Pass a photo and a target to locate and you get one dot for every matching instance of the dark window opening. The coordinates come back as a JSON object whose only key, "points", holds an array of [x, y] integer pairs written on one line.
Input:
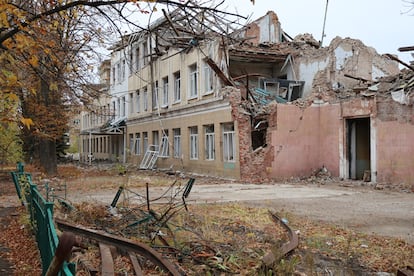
{"points": [[259, 133]]}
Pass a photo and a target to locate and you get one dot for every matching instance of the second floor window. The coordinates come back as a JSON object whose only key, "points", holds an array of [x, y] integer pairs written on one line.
{"points": [[137, 102], [131, 103], [208, 79], [123, 107], [177, 87], [155, 96], [165, 92], [137, 57], [193, 81], [145, 99]]}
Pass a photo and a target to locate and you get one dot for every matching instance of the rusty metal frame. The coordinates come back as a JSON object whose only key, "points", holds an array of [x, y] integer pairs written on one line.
{"points": [[286, 248], [120, 242]]}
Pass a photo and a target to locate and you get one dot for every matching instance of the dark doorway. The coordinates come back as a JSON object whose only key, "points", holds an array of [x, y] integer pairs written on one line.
{"points": [[359, 147]]}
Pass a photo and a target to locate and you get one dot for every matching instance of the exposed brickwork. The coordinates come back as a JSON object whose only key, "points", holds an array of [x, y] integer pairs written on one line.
{"points": [[390, 110], [254, 165]]}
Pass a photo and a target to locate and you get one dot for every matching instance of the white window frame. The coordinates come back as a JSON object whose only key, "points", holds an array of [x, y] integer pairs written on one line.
{"points": [[145, 99], [229, 147], [145, 141], [193, 143], [210, 149], [156, 138], [208, 79], [131, 143], [123, 69], [118, 108], [137, 144], [137, 101], [193, 81], [123, 106], [177, 142], [118, 72], [137, 58], [155, 96], [177, 87], [165, 92], [145, 53], [131, 103], [164, 149]]}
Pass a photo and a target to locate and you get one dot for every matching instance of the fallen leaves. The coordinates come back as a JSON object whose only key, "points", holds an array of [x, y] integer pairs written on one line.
{"points": [[23, 251]]}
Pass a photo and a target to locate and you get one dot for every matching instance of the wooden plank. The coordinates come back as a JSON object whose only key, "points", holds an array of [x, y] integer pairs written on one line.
{"points": [[135, 264], [107, 265]]}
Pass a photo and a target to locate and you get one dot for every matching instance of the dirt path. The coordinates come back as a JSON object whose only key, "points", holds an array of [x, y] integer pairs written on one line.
{"points": [[8, 204]]}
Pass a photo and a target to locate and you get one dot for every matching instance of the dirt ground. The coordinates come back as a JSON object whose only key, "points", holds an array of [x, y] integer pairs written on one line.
{"points": [[352, 204], [355, 205]]}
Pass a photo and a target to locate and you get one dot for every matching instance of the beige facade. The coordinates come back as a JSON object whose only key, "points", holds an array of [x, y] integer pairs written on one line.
{"points": [[179, 108], [206, 103]]}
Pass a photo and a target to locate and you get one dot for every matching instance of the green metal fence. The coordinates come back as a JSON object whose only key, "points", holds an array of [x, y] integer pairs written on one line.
{"points": [[41, 218]]}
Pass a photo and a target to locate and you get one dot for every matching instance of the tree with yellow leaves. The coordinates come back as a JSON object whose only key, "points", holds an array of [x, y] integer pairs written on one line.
{"points": [[46, 50]]}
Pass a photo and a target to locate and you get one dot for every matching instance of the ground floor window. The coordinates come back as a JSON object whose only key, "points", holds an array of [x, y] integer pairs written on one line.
{"points": [[229, 150], [177, 142], [209, 142], [193, 143], [145, 141], [138, 143], [131, 143], [164, 150]]}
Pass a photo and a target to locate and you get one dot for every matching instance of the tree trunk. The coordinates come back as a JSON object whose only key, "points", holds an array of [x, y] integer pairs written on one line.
{"points": [[47, 156]]}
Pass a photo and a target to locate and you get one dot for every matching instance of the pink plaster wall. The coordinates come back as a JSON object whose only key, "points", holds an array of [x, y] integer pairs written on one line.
{"points": [[305, 139], [395, 152]]}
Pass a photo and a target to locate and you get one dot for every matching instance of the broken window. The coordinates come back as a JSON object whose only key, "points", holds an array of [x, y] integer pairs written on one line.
{"points": [[259, 132], [164, 150], [281, 90]]}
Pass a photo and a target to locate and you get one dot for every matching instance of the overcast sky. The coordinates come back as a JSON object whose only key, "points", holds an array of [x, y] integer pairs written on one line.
{"points": [[385, 25]]}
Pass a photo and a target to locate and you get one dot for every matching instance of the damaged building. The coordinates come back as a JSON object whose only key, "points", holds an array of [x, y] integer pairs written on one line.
{"points": [[252, 104]]}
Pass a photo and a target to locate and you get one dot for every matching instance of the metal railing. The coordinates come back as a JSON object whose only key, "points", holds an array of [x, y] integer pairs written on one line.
{"points": [[41, 219]]}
